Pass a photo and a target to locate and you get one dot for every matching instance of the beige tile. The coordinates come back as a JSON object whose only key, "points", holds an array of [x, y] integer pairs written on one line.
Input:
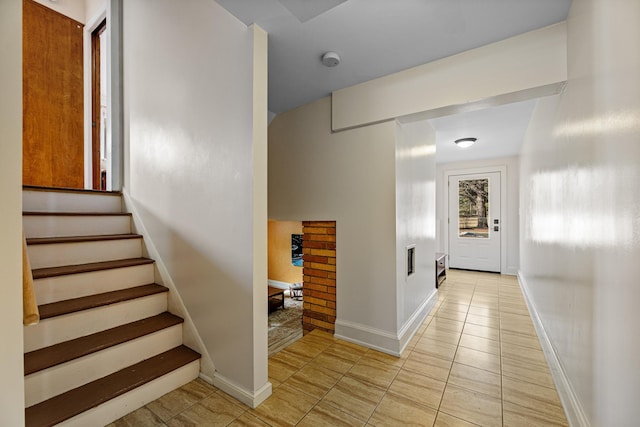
{"points": [[519, 339], [491, 305], [523, 354], [142, 417], [418, 388], [358, 398], [443, 335], [480, 344], [526, 372], [431, 366], [178, 400], [214, 410], [482, 331], [323, 415], [395, 411], [443, 323], [471, 406], [519, 416], [511, 308], [307, 348], [385, 358], [279, 370], [483, 311], [446, 420], [476, 380], [314, 380], [288, 358], [374, 372], [478, 359], [248, 420], [346, 350], [285, 407], [437, 348], [452, 306], [543, 400], [452, 315], [491, 322], [323, 335], [332, 362]]}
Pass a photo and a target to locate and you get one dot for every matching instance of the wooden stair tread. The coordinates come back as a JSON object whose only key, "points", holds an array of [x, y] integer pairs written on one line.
{"points": [[70, 190], [40, 273], [78, 400], [56, 354], [98, 300], [81, 239], [38, 213]]}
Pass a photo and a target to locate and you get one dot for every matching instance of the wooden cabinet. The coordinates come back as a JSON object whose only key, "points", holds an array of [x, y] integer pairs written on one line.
{"points": [[441, 269]]}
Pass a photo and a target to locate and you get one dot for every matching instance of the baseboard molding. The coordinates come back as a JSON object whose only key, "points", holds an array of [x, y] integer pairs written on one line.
{"points": [[511, 271], [251, 399], [576, 416], [411, 326], [278, 284], [384, 341]]}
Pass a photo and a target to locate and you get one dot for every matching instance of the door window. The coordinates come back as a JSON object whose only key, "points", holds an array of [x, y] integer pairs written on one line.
{"points": [[473, 212]]}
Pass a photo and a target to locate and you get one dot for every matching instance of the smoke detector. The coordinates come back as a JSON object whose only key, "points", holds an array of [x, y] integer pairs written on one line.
{"points": [[331, 59]]}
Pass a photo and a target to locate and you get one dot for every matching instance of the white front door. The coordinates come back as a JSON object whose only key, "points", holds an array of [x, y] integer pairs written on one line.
{"points": [[474, 221]]}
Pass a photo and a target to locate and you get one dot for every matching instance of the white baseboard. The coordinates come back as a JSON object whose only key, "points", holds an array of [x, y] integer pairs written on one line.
{"points": [[251, 399], [278, 284], [511, 271], [385, 341], [576, 416], [411, 326]]}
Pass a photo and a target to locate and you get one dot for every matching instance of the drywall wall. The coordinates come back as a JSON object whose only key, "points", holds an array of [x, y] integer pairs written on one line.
{"points": [[347, 177], [93, 9], [415, 223], [530, 60], [280, 267], [510, 223], [74, 9], [580, 165], [11, 357], [195, 150]]}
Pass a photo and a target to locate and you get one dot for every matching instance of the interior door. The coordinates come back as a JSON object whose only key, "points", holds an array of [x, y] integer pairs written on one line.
{"points": [[474, 222], [53, 112]]}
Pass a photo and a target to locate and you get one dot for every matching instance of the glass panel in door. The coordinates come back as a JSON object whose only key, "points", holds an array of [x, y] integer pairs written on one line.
{"points": [[473, 212]]}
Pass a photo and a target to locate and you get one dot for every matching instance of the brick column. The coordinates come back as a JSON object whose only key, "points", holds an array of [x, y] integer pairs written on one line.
{"points": [[319, 256]]}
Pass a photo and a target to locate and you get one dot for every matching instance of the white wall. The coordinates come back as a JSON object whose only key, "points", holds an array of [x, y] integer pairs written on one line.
{"points": [[580, 165], [11, 359], [510, 224], [530, 60], [415, 223], [93, 8], [195, 153], [348, 177]]}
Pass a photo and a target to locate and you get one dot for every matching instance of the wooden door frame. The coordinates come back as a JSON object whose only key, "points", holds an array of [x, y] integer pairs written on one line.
{"points": [[503, 207], [95, 105]]}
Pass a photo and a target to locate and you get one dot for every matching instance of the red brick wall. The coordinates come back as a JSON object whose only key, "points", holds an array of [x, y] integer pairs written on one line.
{"points": [[319, 256]]}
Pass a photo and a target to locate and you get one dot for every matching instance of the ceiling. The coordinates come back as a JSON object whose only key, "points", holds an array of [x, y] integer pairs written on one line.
{"points": [[379, 37]]}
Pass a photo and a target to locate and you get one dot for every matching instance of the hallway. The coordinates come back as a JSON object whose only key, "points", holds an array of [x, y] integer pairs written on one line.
{"points": [[475, 361]]}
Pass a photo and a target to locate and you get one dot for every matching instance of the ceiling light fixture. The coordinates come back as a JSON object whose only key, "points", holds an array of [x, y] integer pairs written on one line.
{"points": [[465, 142], [331, 59]]}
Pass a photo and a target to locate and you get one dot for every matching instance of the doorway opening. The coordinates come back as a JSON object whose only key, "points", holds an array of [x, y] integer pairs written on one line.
{"points": [[100, 152]]}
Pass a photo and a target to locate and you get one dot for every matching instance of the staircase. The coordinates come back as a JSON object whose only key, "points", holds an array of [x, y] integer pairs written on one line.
{"points": [[105, 344]]}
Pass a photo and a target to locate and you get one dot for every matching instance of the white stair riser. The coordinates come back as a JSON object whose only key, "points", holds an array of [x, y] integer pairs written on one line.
{"points": [[122, 405], [67, 327], [50, 382], [47, 201], [62, 226], [59, 288], [57, 254]]}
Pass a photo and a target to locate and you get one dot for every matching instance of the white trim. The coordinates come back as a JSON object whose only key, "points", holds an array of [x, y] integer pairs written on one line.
{"points": [[413, 324], [278, 284], [251, 399], [576, 416], [502, 169], [91, 25], [176, 305]]}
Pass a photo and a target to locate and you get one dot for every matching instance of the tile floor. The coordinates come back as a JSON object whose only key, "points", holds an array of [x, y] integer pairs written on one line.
{"points": [[475, 360]]}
